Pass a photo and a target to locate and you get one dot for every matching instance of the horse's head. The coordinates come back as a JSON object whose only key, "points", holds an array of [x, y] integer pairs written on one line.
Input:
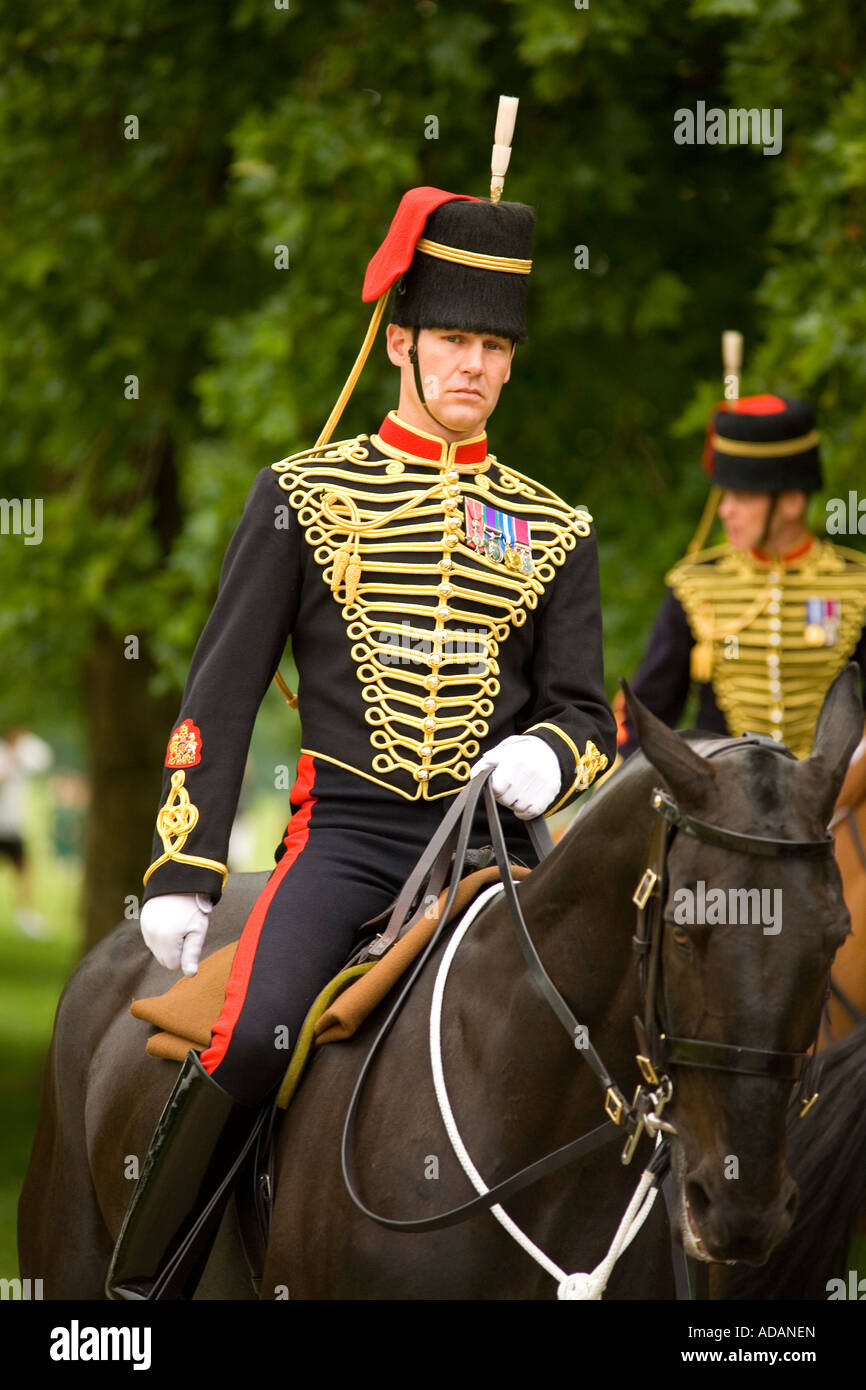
{"points": [[745, 943]]}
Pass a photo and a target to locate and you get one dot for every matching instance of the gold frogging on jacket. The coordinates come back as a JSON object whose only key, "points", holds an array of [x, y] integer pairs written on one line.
{"points": [[175, 823], [752, 643], [364, 534]]}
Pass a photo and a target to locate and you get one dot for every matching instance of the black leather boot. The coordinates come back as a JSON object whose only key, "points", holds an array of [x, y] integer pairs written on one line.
{"points": [[176, 1209]]}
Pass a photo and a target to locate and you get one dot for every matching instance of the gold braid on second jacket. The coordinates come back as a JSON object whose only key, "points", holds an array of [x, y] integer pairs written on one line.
{"points": [[437, 602], [772, 637]]}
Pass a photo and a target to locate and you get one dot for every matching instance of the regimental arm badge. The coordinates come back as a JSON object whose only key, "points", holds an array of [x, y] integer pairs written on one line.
{"points": [[178, 818], [502, 538], [184, 746]]}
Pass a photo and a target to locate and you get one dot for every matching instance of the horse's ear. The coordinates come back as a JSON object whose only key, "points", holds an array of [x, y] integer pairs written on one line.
{"points": [[839, 729], [690, 776]]}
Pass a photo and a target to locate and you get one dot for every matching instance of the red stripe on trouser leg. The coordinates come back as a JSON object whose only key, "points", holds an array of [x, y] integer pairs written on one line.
{"points": [[296, 837]]}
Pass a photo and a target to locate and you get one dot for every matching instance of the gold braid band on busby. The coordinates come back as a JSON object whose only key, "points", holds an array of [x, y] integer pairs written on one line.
{"points": [[770, 444]]}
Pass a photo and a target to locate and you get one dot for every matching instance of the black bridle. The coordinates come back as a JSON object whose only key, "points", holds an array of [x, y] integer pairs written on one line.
{"points": [[659, 1049]]}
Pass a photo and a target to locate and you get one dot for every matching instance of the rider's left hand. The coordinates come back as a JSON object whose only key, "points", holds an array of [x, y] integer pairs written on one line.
{"points": [[526, 777]]}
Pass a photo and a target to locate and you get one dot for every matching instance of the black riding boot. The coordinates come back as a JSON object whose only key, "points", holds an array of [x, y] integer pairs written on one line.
{"points": [[175, 1212]]}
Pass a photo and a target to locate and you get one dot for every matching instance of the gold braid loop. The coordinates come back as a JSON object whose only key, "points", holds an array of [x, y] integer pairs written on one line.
{"points": [[175, 822], [347, 564]]}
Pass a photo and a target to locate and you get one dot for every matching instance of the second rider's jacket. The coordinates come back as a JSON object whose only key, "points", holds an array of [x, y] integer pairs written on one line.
{"points": [[437, 603], [764, 637]]}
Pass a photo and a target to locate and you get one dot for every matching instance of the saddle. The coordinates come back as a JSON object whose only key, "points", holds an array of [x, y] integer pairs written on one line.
{"points": [[185, 1013]]}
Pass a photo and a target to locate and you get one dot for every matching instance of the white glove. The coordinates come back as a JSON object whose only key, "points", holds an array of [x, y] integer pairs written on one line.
{"points": [[174, 927], [527, 777]]}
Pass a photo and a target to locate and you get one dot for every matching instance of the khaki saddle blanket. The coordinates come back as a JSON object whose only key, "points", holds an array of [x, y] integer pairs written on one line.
{"points": [[186, 1013]]}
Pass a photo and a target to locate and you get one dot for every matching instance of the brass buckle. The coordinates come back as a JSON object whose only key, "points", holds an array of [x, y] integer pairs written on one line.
{"points": [[633, 1139], [641, 895], [647, 1070], [809, 1103], [614, 1105]]}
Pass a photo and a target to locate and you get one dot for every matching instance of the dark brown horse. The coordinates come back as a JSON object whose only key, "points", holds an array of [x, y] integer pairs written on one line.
{"points": [[518, 1086]]}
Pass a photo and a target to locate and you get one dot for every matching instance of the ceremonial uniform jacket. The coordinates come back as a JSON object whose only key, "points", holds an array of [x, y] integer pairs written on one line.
{"points": [[437, 603], [763, 637]]}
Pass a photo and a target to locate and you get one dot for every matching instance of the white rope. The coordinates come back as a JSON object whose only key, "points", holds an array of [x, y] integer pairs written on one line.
{"points": [[571, 1286]]}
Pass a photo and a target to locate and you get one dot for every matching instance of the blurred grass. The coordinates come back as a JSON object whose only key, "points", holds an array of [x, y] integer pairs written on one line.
{"points": [[32, 975]]}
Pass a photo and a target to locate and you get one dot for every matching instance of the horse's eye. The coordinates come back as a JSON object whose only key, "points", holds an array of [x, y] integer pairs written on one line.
{"points": [[681, 938]]}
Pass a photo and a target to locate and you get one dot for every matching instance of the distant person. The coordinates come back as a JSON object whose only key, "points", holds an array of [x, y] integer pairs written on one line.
{"points": [[23, 756], [765, 622]]}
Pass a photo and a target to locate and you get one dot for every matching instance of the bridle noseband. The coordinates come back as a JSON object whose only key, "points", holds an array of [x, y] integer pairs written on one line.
{"points": [[658, 1048]]}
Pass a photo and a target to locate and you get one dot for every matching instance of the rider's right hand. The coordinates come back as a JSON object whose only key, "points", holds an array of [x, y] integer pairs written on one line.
{"points": [[174, 926]]}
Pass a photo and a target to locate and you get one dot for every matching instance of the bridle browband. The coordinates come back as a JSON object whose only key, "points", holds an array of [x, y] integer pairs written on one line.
{"points": [[658, 1048]]}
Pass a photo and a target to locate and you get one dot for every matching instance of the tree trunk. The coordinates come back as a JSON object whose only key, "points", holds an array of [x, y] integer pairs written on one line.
{"points": [[126, 732]]}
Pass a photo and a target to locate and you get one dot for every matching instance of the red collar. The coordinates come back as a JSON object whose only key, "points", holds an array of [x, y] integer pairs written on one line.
{"points": [[419, 444], [789, 557]]}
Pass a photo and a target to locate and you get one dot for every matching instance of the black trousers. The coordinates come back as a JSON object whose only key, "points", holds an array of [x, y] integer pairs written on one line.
{"points": [[347, 852]]}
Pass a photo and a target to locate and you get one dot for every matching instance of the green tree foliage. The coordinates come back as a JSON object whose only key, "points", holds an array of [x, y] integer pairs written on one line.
{"points": [[213, 248]]}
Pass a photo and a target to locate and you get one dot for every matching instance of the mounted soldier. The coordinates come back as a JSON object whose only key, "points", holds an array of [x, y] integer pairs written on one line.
{"points": [[497, 578], [764, 622]]}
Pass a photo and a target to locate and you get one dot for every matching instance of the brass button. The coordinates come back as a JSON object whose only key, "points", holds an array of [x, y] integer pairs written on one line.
{"points": [[445, 563], [432, 682], [450, 541], [429, 704]]}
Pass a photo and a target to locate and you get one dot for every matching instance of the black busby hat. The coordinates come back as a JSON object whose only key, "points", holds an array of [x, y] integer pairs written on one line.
{"points": [[766, 444], [482, 291]]}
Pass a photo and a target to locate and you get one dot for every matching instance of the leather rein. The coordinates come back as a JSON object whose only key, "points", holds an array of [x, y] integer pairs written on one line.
{"points": [[643, 1114]]}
